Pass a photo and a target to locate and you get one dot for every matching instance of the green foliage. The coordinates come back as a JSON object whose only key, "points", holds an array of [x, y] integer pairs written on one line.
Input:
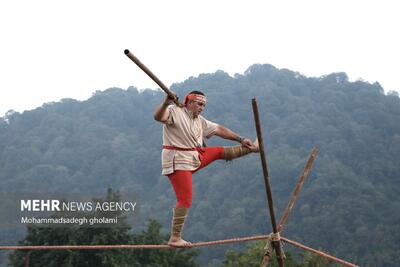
{"points": [[313, 260], [253, 256], [111, 140]]}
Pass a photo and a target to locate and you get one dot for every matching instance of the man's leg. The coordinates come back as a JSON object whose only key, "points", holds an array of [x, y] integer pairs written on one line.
{"points": [[233, 152], [211, 154], [182, 183]]}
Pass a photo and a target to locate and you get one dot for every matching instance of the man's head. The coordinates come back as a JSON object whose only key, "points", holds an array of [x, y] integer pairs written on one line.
{"points": [[195, 102]]}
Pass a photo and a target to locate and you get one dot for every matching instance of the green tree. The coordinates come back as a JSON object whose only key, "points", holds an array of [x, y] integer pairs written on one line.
{"points": [[253, 256], [314, 260]]}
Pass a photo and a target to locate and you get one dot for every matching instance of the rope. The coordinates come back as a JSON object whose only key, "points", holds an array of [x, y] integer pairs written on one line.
{"points": [[275, 237], [87, 247], [232, 240], [343, 262], [198, 244]]}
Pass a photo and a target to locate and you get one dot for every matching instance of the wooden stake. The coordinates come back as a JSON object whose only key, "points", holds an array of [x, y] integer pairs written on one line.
{"points": [[292, 200], [297, 189], [27, 258], [276, 244]]}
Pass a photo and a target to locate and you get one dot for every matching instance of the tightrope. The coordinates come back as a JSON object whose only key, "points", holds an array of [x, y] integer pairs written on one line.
{"points": [[88, 247], [192, 245]]}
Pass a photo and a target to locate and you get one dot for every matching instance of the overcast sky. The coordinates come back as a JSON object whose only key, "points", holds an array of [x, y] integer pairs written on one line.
{"points": [[51, 50]]}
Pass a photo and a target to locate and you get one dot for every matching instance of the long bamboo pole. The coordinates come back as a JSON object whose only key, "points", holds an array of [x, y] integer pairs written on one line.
{"points": [[153, 77], [276, 244]]}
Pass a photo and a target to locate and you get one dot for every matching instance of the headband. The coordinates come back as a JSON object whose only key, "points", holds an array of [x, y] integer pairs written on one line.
{"points": [[196, 97]]}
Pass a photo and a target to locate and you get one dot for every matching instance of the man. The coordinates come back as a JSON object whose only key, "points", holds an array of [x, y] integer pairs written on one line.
{"points": [[184, 153]]}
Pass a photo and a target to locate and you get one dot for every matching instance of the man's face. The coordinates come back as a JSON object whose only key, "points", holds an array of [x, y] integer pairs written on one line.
{"points": [[195, 107]]}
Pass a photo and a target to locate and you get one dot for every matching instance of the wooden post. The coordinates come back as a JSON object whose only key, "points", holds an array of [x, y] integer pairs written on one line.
{"points": [[276, 244], [27, 258], [297, 189], [292, 201]]}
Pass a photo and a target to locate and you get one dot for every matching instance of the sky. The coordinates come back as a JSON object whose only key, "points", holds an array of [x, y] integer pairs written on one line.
{"points": [[51, 50]]}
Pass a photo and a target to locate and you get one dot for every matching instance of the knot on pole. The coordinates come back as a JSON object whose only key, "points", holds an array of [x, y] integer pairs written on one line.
{"points": [[275, 237]]}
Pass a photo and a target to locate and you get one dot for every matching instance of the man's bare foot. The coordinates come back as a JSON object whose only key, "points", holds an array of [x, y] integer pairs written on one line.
{"points": [[255, 147], [178, 242]]}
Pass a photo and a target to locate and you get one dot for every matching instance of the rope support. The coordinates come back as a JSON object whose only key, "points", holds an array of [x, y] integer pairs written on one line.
{"points": [[199, 244], [275, 237], [332, 258], [87, 247]]}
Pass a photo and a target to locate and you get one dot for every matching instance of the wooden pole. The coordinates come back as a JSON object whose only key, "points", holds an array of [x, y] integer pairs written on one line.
{"points": [[276, 244], [297, 189], [292, 201], [153, 77], [27, 258]]}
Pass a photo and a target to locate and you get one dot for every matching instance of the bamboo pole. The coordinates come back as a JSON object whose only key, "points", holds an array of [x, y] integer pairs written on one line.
{"points": [[292, 201], [27, 258], [276, 244], [153, 77], [297, 189]]}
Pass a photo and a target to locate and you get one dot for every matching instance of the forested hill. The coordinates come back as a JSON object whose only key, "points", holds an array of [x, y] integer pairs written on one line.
{"points": [[349, 205]]}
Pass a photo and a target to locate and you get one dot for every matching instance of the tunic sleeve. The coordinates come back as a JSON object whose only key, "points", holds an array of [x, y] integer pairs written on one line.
{"points": [[171, 116], [209, 127]]}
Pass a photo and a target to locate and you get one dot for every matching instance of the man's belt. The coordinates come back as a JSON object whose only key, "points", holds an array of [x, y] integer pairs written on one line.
{"points": [[198, 149]]}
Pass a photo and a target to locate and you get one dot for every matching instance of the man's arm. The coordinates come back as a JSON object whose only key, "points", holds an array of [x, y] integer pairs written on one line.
{"points": [[228, 134], [161, 114]]}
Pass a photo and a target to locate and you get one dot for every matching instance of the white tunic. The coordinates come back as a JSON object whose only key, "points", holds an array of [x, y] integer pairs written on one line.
{"points": [[182, 130]]}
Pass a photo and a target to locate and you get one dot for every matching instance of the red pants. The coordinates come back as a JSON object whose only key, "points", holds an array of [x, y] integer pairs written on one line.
{"points": [[182, 180]]}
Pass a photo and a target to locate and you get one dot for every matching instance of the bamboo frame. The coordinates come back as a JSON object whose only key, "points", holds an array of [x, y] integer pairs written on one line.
{"points": [[290, 205]]}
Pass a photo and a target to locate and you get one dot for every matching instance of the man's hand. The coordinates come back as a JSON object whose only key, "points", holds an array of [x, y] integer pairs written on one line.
{"points": [[226, 133], [247, 143], [253, 146], [169, 100], [162, 113]]}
